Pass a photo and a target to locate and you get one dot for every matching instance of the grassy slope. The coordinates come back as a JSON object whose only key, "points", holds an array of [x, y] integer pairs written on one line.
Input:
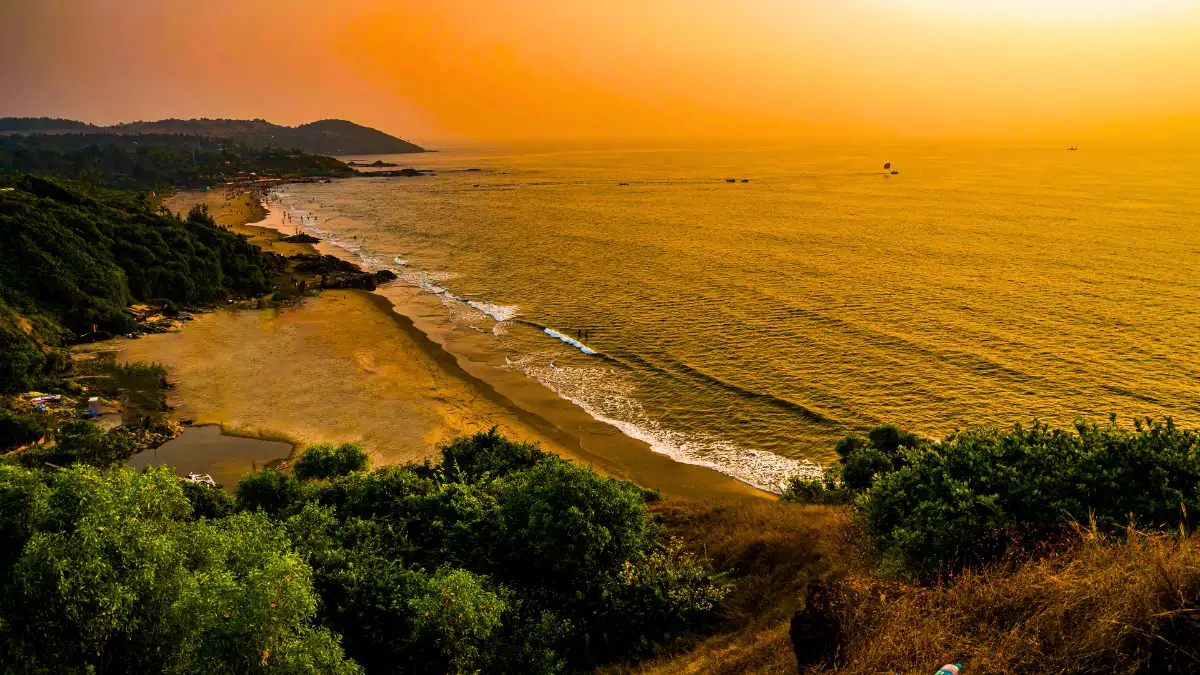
{"points": [[770, 550], [1093, 604]]}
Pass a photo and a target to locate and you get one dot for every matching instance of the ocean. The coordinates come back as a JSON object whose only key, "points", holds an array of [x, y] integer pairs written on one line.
{"points": [[748, 325]]}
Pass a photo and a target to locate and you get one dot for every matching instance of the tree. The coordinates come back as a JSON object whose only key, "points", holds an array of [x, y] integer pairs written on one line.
{"points": [[112, 578], [326, 461]]}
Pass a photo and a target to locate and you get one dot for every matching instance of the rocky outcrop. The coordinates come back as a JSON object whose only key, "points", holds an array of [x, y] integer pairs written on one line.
{"points": [[312, 263], [360, 280]]}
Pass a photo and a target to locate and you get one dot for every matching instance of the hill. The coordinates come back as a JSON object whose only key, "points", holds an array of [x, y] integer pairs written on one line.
{"points": [[70, 262], [146, 161], [323, 137]]}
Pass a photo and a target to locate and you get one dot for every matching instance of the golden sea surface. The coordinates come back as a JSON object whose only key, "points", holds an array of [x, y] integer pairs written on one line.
{"points": [[747, 325]]}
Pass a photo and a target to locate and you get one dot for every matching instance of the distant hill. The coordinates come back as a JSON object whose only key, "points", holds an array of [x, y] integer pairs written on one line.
{"points": [[324, 137], [9, 125]]}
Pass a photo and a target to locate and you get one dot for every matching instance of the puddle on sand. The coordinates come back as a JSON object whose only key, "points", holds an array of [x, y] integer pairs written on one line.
{"points": [[206, 450]]}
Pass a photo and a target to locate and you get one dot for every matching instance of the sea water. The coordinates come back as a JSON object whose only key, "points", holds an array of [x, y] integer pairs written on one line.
{"points": [[749, 325]]}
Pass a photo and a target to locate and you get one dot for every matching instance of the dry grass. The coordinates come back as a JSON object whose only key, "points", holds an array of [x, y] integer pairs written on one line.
{"points": [[1100, 605], [770, 550]]}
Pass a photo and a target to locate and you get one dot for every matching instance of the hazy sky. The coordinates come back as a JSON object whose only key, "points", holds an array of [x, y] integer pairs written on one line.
{"points": [[439, 71]]}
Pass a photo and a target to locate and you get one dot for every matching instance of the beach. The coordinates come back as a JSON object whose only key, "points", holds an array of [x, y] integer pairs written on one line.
{"points": [[386, 372]]}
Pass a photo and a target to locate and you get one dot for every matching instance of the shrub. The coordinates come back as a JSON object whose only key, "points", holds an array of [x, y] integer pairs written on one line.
{"points": [[111, 578], [80, 442], [206, 501], [962, 500], [506, 559], [454, 615], [828, 489], [17, 430], [564, 523], [21, 362], [487, 453], [268, 490], [326, 461]]}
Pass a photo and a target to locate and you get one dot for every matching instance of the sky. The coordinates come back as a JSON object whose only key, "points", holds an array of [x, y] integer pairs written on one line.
{"points": [[449, 71]]}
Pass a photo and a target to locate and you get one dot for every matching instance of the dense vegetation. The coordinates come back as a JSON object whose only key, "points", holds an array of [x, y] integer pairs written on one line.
{"points": [[936, 506], [70, 263], [497, 558], [323, 137], [139, 162], [21, 124]]}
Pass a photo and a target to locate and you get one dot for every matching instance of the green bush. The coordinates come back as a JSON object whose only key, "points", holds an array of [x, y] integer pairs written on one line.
{"points": [[208, 502], [268, 490], [326, 461], [104, 574], [80, 442], [21, 362], [17, 430], [525, 563], [963, 500], [826, 489], [551, 566], [483, 454]]}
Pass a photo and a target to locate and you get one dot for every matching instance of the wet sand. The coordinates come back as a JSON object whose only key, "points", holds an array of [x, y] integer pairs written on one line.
{"points": [[389, 371]]}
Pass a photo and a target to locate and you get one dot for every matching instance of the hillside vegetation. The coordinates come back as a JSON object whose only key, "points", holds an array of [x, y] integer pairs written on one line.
{"points": [[141, 162], [71, 262], [496, 558], [1026, 549], [323, 137]]}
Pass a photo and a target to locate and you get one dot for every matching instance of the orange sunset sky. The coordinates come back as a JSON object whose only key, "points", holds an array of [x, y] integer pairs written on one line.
{"points": [[481, 70]]}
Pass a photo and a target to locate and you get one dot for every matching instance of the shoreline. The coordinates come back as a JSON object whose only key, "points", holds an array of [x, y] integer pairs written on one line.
{"points": [[476, 389]]}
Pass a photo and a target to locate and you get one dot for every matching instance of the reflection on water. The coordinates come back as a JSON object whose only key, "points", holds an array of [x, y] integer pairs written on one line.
{"points": [[206, 450], [740, 324]]}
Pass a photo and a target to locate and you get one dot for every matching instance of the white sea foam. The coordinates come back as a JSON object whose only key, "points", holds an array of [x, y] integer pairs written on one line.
{"points": [[571, 341], [603, 392], [497, 312], [608, 395]]}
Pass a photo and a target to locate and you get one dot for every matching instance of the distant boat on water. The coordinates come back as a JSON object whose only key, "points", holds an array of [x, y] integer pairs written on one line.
{"points": [[730, 180], [1073, 148]]}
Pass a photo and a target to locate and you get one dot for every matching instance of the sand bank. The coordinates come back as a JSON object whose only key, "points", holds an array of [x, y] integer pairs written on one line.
{"points": [[386, 370]]}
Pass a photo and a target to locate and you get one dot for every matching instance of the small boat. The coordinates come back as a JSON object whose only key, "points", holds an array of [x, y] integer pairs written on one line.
{"points": [[1072, 148], [745, 180], [730, 180]]}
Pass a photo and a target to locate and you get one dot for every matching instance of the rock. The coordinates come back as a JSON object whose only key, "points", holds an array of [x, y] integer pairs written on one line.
{"points": [[360, 280], [389, 173], [309, 263], [385, 275], [301, 238], [816, 630]]}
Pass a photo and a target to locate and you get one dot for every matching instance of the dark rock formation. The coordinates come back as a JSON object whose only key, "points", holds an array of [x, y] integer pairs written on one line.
{"points": [[301, 238], [385, 275], [402, 173], [361, 280], [308, 263]]}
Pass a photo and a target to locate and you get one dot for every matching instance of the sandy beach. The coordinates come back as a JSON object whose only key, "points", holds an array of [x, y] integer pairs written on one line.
{"points": [[383, 369]]}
